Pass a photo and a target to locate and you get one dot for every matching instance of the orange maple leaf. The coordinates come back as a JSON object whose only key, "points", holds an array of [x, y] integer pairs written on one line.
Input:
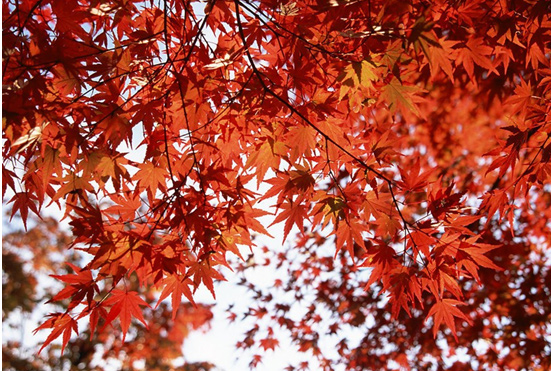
{"points": [[151, 177]]}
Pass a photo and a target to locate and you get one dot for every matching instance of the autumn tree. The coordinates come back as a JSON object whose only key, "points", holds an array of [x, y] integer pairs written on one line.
{"points": [[407, 143]]}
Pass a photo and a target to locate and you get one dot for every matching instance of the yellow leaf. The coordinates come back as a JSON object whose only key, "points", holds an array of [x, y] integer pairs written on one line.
{"points": [[367, 74], [401, 97]]}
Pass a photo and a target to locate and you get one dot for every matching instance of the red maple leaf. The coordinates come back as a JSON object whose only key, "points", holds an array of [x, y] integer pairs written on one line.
{"points": [[446, 310], [176, 286], [81, 285], [125, 305], [61, 324]]}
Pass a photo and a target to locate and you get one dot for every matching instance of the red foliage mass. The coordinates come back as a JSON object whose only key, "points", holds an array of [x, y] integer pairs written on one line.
{"points": [[413, 135]]}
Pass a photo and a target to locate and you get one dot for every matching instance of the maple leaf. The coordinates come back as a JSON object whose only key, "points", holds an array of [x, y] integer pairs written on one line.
{"points": [[22, 202], [476, 52], [125, 305], [383, 260], [412, 179], [349, 232], [176, 286], [357, 75], [477, 253], [422, 239], [32, 137], [442, 201], [114, 169], [82, 285], [446, 310], [535, 56], [294, 214], [269, 343], [302, 139], [95, 311], [151, 177], [388, 225], [202, 271], [125, 205], [368, 74], [377, 204], [7, 180], [400, 97], [73, 184], [61, 324], [522, 98], [266, 157], [66, 81], [440, 58], [51, 164], [330, 209]]}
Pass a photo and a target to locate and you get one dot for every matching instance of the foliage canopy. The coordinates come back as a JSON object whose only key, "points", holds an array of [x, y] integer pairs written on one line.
{"points": [[408, 142]]}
